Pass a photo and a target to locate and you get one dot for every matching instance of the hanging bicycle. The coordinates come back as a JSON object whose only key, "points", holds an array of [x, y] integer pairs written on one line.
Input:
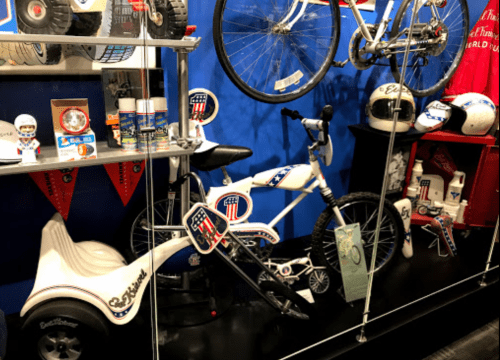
{"points": [[277, 51]]}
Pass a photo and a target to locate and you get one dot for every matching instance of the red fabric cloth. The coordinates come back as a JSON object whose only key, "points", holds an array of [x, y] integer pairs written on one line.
{"points": [[478, 71]]}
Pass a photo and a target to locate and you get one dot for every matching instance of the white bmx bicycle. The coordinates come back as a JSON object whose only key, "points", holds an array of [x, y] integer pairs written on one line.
{"points": [[234, 200]]}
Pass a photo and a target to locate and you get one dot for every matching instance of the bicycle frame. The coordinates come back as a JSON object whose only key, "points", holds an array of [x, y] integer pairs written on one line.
{"points": [[373, 44]]}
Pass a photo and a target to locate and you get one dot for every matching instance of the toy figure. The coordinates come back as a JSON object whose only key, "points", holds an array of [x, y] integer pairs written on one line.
{"points": [[27, 145]]}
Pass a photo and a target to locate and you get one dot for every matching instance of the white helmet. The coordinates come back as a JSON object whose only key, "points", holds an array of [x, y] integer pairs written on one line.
{"points": [[380, 108], [23, 121], [437, 114], [481, 114]]}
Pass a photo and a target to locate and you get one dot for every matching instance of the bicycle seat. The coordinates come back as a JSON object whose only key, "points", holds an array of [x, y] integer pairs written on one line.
{"points": [[219, 156]]}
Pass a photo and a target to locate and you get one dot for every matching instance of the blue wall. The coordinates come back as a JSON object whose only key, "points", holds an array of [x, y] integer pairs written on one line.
{"points": [[97, 212]]}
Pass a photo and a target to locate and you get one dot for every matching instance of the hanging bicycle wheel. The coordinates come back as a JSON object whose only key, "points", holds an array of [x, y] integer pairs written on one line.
{"points": [[440, 36], [359, 208], [267, 60]]}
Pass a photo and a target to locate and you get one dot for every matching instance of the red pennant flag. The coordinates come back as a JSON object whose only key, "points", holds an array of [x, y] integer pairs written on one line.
{"points": [[58, 187], [125, 176], [478, 70]]}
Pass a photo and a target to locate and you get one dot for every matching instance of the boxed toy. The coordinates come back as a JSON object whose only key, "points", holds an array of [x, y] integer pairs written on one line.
{"points": [[75, 140], [127, 83]]}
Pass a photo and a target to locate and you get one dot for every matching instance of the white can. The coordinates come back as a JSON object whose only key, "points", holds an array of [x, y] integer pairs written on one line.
{"points": [[128, 123], [161, 123]]}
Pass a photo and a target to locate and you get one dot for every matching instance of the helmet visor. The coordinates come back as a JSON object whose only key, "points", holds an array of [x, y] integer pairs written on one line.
{"points": [[384, 109]]}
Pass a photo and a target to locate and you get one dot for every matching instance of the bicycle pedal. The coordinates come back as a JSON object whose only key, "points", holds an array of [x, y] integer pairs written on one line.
{"points": [[338, 64]]}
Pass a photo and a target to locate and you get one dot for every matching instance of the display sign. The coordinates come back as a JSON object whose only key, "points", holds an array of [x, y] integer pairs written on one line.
{"points": [[352, 262], [203, 106]]}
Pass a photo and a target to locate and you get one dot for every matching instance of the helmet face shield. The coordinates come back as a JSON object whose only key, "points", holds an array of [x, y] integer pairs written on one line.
{"points": [[383, 109]]}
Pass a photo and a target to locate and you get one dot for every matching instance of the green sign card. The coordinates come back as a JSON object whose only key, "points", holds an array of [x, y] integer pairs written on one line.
{"points": [[352, 262]]}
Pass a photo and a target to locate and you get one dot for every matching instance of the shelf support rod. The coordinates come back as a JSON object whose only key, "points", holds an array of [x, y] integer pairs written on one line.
{"points": [[183, 91], [483, 283]]}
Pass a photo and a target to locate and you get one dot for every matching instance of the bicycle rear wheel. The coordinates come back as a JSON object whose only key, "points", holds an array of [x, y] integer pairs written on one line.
{"points": [[267, 62], [430, 66], [359, 208]]}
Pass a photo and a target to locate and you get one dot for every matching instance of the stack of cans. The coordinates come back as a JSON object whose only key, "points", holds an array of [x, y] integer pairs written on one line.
{"points": [[137, 115]]}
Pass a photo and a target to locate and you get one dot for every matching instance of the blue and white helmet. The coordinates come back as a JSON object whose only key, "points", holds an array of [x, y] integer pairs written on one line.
{"points": [[481, 113], [22, 121]]}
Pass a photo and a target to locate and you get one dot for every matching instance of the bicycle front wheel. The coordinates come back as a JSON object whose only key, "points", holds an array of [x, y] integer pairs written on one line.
{"points": [[440, 35], [359, 208], [268, 61]]}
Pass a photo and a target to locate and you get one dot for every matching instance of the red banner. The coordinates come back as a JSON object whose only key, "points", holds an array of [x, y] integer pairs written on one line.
{"points": [[58, 187], [478, 70], [125, 176]]}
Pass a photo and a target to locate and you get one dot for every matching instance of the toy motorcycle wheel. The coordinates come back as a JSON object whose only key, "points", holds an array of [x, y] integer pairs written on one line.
{"points": [[52, 17], [171, 20], [65, 329], [85, 24], [422, 210], [319, 281]]}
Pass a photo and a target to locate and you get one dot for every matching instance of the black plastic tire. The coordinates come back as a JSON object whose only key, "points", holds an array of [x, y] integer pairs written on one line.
{"points": [[55, 16], [47, 54], [59, 328], [433, 70], [174, 15], [85, 24], [107, 53], [223, 56], [279, 294], [353, 207]]}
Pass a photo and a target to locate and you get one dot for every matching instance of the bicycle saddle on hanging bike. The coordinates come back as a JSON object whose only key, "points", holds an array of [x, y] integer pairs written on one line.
{"points": [[219, 156]]}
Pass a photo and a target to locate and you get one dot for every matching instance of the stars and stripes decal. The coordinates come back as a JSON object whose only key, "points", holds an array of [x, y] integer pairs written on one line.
{"points": [[206, 227], [446, 235], [123, 313], [235, 206], [280, 176], [198, 103], [231, 204], [424, 192]]}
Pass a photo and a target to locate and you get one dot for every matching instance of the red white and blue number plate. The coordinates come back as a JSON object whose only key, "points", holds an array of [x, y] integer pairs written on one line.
{"points": [[206, 227]]}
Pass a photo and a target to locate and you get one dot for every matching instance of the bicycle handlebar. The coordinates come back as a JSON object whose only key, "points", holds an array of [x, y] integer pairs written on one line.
{"points": [[322, 125]]}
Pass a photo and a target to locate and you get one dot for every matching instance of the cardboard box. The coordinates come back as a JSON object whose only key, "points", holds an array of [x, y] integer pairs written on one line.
{"points": [[121, 83], [72, 147]]}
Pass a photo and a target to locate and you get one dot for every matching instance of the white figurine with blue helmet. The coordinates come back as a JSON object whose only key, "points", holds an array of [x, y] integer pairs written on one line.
{"points": [[28, 147]]}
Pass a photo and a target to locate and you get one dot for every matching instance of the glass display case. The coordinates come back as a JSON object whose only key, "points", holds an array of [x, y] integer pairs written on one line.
{"points": [[322, 237]]}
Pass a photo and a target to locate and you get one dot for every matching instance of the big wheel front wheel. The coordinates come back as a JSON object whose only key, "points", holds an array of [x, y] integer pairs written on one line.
{"points": [[430, 66], [266, 60], [359, 208]]}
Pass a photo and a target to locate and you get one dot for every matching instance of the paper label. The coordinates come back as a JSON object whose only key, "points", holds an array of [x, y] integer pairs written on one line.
{"points": [[352, 262]]}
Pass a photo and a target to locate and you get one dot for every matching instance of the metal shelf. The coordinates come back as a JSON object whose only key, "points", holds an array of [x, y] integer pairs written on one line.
{"points": [[187, 43], [48, 159]]}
